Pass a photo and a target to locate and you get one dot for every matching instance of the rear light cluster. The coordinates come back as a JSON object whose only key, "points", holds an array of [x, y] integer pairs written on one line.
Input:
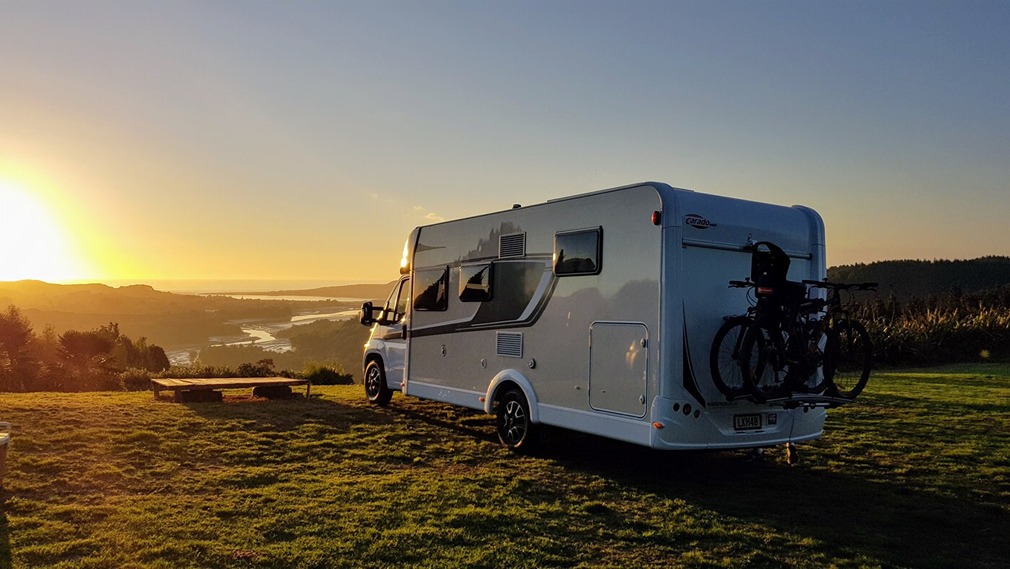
{"points": [[765, 290]]}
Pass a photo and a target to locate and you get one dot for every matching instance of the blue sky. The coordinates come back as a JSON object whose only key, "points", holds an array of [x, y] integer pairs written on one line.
{"points": [[305, 139]]}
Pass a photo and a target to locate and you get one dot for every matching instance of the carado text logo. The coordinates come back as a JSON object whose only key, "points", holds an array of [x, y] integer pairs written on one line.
{"points": [[698, 222]]}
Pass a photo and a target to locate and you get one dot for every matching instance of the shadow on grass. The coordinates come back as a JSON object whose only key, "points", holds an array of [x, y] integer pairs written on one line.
{"points": [[282, 414], [5, 535], [850, 511], [887, 522], [464, 422]]}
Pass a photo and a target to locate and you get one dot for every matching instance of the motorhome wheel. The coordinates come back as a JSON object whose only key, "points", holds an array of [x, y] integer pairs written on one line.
{"points": [[514, 427], [375, 384]]}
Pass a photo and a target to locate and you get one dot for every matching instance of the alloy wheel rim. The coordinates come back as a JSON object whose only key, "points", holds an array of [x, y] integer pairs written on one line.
{"points": [[373, 381], [515, 422]]}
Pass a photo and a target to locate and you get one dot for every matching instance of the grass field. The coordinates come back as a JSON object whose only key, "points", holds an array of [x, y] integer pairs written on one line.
{"points": [[915, 474]]}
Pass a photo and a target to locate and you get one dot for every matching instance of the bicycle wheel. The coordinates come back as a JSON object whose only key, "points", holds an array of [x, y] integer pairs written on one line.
{"points": [[849, 359], [814, 379], [724, 358], [763, 356]]}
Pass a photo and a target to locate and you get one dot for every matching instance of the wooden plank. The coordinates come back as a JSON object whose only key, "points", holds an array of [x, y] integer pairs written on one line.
{"points": [[193, 384], [225, 382]]}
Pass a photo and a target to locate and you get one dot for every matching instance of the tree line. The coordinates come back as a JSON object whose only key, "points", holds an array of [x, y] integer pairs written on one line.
{"points": [[105, 359], [94, 360], [908, 279]]}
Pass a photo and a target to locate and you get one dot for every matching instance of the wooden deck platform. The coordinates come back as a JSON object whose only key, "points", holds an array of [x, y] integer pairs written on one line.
{"points": [[201, 384]]}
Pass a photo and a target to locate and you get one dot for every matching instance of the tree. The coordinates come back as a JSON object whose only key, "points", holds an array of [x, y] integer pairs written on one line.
{"points": [[89, 355], [18, 367]]}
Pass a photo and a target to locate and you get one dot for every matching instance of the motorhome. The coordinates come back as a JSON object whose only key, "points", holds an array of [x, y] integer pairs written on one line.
{"points": [[594, 312]]}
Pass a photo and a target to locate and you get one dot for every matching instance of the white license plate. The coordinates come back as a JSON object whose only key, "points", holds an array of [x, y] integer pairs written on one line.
{"points": [[746, 422]]}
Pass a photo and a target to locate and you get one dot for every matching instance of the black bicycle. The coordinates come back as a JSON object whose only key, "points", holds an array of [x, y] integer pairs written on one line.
{"points": [[724, 357], [790, 342], [812, 347], [848, 359]]}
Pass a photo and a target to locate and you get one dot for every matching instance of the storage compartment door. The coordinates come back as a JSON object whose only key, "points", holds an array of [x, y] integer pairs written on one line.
{"points": [[618, 367]]}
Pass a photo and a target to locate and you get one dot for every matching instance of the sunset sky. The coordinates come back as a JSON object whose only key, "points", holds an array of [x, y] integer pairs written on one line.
{"points": [[303, 140]]}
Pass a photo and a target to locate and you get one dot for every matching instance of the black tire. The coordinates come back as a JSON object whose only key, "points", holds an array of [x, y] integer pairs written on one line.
{"points": [[375, 384], [849, 359], [765, 369], [513, 420], [724, 358], [816, 345]]}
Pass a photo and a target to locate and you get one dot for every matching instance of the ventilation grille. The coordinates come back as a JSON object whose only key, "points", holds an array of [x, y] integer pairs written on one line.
{"points": [[512, 245], [510, 344]]}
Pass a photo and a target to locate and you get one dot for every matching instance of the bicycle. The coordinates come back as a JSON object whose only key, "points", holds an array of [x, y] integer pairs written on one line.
{"points": [[797, 351], [848, 360], [790, 342], [724, 356]]}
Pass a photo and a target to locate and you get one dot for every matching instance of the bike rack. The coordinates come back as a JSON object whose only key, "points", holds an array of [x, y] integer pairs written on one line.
{"points": [[808, 401]]}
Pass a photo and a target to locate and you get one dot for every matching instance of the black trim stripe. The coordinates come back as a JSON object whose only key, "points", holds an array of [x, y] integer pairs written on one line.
{"points": [[474, 325], [690, 379]]}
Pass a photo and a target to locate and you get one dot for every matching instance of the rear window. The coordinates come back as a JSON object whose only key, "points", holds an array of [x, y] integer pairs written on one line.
{"points": [[578, 252]]}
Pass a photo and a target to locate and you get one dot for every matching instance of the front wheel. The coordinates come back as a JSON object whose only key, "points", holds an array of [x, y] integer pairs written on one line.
{"points": [[515, 428], [375, 384], [848, 359]]}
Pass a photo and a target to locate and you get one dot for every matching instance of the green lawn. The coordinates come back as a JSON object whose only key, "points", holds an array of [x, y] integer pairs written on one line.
{"points": [[915, 474]]}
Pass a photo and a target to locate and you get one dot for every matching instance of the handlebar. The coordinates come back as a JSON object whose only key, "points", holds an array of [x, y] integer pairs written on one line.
{"points": [[818, 284], [842, 286]]}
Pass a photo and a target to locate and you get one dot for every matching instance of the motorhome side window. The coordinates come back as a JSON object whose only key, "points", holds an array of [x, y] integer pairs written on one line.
{"points": [[401, 300], [475, 282], [578, 252], [431, 289]]}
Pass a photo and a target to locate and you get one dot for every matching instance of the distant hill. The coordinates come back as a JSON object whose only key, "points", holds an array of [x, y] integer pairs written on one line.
{"points": [[908, 278], [362, 291], [165, 318]]}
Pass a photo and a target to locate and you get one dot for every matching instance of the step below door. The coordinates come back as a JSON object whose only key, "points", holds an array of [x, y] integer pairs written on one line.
{"points": [[618, 367]]}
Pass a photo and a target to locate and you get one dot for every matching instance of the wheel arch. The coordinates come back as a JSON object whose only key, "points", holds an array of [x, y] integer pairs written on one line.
{"points": [[512, 378], [369, 357]]}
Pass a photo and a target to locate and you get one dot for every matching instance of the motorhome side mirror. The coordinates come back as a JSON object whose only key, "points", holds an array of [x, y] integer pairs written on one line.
{"points": [[365, 314]]}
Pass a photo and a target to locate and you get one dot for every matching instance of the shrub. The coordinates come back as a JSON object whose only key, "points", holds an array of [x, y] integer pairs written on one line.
{"points": [[262, 368], [135, 379], [320, 374], [196, 371]]}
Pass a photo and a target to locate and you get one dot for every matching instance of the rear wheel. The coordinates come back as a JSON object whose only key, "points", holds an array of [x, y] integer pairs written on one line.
{"points": [[810, 376], [724, 359], [515, 429], [375, 384], [765, 368], [849, 359]]}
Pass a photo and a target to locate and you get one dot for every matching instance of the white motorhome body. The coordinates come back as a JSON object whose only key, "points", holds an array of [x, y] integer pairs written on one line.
{"points": [[600, 309]]}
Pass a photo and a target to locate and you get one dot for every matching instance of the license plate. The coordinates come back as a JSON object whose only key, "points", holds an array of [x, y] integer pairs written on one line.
{"points": [[746, 422]]}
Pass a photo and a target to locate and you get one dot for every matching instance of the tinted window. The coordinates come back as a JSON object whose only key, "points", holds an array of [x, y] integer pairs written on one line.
{"points": [[578, 252], [430, 289], [396, 305], [401, 301], [475, 283]]}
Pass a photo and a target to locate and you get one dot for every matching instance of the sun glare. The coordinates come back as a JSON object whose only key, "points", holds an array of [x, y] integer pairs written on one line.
{"points": [[33, 245]]}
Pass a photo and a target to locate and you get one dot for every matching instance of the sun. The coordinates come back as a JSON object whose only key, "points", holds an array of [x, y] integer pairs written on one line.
{"points": [[33, 245]]}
